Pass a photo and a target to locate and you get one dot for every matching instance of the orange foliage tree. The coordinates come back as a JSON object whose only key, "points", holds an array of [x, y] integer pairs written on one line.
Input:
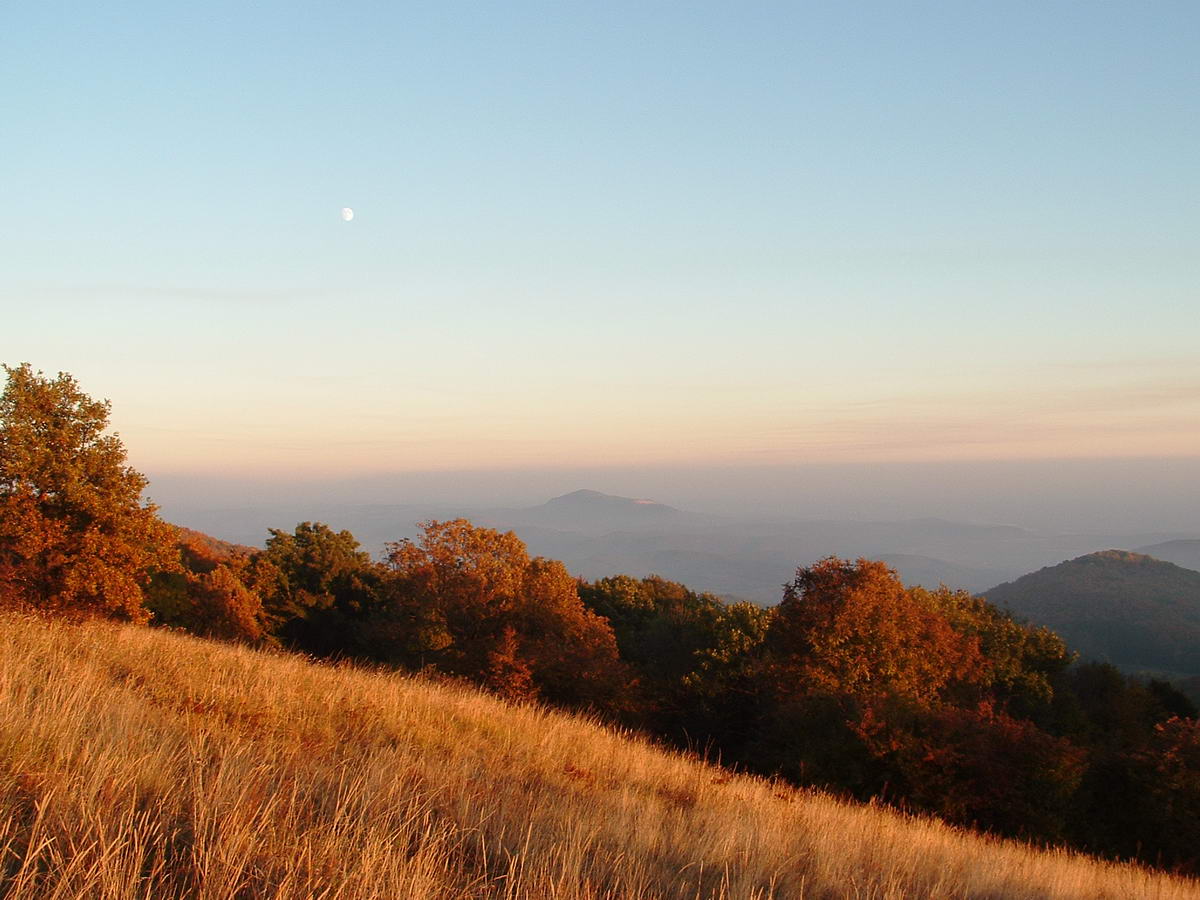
{"points": [[486, 611], [74, 534], [208, 595], [226, 607], [853, 628], [886, 690]]}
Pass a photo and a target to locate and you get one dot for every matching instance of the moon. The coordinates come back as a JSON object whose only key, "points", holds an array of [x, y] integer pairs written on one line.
{"points": [[347, 214]]}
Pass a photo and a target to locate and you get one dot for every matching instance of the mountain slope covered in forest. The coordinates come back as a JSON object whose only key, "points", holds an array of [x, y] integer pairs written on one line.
{"points": [[1116, 606]]}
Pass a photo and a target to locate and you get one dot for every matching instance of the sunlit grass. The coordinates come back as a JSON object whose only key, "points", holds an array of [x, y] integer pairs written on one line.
{"points": [[143, 764]]}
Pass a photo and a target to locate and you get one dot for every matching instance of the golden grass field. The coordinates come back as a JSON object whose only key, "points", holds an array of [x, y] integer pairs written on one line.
{"points": [[143, 764]]}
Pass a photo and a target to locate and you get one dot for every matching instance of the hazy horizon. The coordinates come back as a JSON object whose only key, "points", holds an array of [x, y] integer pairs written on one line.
{"points": [[1100, 496]]}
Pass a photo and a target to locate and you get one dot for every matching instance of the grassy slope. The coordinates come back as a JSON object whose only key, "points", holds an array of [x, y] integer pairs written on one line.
{"points": [[138, 763]]}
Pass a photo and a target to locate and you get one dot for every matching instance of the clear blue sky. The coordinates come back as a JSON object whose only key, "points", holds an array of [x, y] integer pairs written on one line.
{"points": [[608, 234]]}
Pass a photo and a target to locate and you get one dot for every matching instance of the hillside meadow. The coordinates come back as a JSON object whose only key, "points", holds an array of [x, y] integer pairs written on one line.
{"points": [[139, 763]]}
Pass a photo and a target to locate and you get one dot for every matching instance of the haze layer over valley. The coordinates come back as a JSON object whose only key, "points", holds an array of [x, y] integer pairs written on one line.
{"points": [[734, 555]]}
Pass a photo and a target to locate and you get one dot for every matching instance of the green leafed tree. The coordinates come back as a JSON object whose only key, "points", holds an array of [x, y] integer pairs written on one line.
{"points": [[692, 652], [75, 535], [315, 584]]}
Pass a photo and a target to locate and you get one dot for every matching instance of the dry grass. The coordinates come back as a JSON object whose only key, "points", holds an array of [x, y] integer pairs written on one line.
{"points": [[142, 764]]}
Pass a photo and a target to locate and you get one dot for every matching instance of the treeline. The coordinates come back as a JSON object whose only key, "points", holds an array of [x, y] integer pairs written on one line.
{"points": [[934, 701]]}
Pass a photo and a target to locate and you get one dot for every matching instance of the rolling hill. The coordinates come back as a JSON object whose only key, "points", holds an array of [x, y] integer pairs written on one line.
{"points": [[1126, 608], [139, 763]]}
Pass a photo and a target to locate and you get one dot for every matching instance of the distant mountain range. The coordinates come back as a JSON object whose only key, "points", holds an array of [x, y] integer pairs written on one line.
{"points": [[599, 534], [1126, 608]]}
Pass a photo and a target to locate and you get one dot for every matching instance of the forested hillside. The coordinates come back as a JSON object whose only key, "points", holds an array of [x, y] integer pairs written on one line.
{"points": [[1120, 607]]}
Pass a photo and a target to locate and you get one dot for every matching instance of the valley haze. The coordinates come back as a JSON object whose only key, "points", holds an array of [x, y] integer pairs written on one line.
{"points": [[733, 555]]}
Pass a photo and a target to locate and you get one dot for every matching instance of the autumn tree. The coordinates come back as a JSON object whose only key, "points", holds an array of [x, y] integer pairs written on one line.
{"points": [[75, 536], [479, 606], [208, 595], [1169, 772], [885, 690], [982, 767], [508, 673], [1130, 802], [224, 607], [854, 628]]}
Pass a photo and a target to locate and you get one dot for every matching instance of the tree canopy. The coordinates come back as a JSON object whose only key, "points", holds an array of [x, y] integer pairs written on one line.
{"points": [[483, 606], [854, 628], [75, 535]]}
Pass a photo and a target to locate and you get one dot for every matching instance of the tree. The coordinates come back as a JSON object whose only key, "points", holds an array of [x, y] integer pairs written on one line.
{"points": [[508, 674], [1023, 660], [853, 628], [981, 767], [74, 534], [208, 595], [479, 607], [224, 607], [692, 653], [1133, 801], [1169, 770], [316, 584], [848, 647]]}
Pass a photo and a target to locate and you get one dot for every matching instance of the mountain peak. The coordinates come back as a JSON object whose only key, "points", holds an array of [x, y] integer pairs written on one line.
{"points": [[588, 498], [596, 512], [582, 494]]}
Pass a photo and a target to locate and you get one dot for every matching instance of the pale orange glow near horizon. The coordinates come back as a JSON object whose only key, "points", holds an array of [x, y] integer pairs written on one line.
{"points": [[1139, 418]]}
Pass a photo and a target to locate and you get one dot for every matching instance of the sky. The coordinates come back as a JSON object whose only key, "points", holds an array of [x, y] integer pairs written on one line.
{"points": [[634, 237]]}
